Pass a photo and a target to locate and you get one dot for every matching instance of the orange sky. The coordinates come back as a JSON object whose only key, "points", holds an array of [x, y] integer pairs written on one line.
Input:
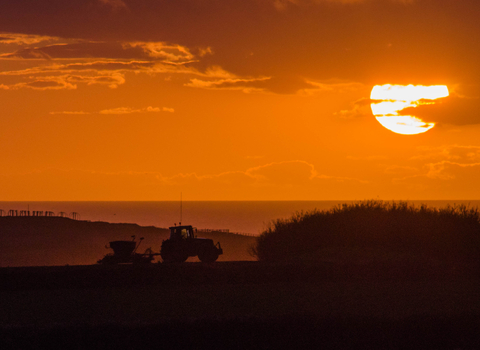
{"points": [[234, 99]]}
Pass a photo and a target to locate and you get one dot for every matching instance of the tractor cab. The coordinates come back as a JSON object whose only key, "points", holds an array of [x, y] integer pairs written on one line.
{"points": [[181, 232]]}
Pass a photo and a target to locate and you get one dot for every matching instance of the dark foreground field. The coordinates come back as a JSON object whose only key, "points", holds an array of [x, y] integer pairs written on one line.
{"points": [[240, 305]]}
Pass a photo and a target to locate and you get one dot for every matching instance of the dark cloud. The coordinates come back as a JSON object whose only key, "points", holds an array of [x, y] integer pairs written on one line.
{"points": [[373, 42], [452, 110]]}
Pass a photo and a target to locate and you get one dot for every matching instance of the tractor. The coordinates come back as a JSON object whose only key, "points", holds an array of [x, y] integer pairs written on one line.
{"points": [[183, 244], [124, 252]]}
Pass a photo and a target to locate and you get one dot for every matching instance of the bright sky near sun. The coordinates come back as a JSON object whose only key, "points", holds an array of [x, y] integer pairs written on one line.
{"points": [[239, 99]]}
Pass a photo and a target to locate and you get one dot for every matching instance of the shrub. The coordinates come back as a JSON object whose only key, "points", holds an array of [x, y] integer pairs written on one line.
{"points": [[396, 228]]}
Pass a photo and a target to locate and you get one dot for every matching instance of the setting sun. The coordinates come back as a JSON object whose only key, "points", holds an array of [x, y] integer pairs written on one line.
{"points": [[141, 100], [389, 100]]}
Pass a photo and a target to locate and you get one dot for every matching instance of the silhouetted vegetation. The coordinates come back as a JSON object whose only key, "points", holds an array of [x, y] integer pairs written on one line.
{"points": [[375, 231]]}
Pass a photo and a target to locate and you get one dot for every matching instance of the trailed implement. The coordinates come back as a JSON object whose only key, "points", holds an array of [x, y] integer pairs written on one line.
{"points": [[124, 252]]}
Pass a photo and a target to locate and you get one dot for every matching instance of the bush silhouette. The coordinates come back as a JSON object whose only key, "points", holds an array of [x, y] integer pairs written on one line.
{"points": [[385, 229]]}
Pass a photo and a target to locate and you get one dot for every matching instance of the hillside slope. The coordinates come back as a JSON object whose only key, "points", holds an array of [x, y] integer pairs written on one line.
{"points": [[43, 241]]}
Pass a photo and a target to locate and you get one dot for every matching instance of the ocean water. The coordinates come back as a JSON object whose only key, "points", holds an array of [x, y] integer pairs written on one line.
{"points": [[250, 217]]}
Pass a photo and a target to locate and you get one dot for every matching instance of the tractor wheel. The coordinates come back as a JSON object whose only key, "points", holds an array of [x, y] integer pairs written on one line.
{"points": [[182, 258], [108, 260], [174, 258], [209, 255], [167, 259]]}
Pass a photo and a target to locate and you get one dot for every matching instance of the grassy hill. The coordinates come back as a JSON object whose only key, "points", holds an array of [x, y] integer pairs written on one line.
{"points": [[43, 241]]}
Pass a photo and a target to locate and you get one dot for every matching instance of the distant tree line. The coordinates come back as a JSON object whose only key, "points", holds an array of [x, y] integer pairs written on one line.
{"points": [[13, 212]]}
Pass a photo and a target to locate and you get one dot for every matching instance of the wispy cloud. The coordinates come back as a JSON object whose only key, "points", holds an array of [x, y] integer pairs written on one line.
{"points": [[72, 112], [333, 85], [398, 170], [128, 110], [440, 170], [216, 78], [25, 39], [358, 111], [444, 171], [464, 153], [368, 158], [154, 51], [243, 84], [276, 177], [44, 83], [442, 166], [69, 82], [121, 110], [70, 62], [284, 173]]}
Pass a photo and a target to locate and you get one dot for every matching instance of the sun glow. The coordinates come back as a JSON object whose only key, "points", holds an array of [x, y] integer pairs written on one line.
{"points": [[389, 100]]}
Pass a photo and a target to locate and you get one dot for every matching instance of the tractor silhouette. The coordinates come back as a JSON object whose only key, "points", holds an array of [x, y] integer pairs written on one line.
{"points": [[183, 244]]}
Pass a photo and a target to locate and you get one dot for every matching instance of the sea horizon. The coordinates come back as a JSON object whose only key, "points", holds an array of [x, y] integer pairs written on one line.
{"points": [[239, 216]]}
